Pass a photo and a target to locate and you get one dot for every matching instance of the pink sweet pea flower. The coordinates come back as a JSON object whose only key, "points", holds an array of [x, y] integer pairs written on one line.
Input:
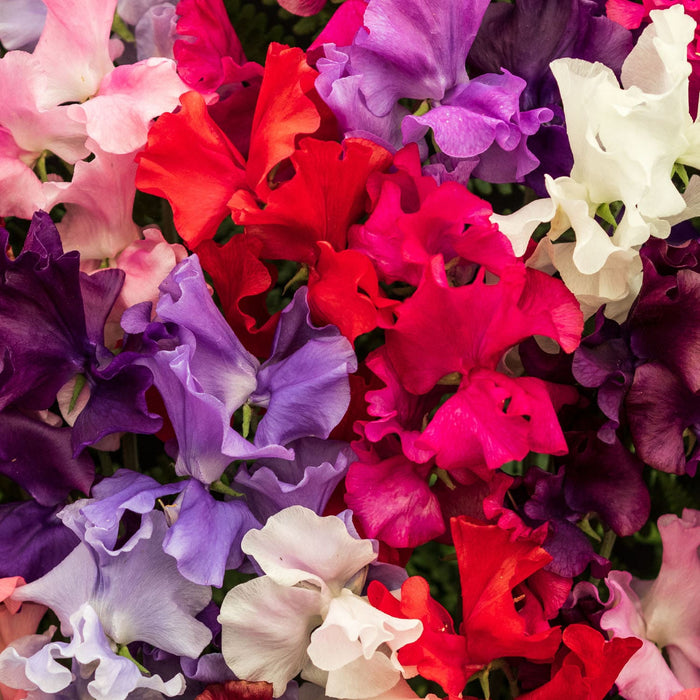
{"points": [[16, 620], [663, 613]]}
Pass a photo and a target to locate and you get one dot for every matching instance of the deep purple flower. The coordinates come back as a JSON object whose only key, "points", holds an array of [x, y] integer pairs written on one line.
{"points": [[33, 540], [524, 38], [39, 458], [51, 324], [662, 404]]}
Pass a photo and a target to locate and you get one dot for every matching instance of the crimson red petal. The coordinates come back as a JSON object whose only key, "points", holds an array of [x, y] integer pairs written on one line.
{"points": [[324, 197], [241, 281], [190, 162], [490, 567]]}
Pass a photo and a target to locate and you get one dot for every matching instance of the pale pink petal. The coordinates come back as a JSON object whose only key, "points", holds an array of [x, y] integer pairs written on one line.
{"points": [[282, 549], [35, 123], [74, 47], [21, 191], [670, 605], [118, 117], [99, 201], [646, 676], [146, 262]]}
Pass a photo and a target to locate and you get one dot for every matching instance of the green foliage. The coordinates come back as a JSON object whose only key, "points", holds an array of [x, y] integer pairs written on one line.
{"points": [[259, 24]]}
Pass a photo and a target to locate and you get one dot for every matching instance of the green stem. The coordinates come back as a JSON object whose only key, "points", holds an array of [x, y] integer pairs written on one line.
{"points": [[247, 415], [41, 167], [608, 544], [79, 384], [301, 275], [130, 452], [445, 478], [121, 30], [221, 487], [123, 650], [423, 108], [484, 683]]}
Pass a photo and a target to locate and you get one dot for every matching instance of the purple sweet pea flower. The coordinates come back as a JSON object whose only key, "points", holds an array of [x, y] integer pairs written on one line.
{"points": [[209, 375], [39, 457], [604, 361], [524, 38], [135, 596], [33, 540], [571, 550], [395, 55], [43, 295], [662, 403], [308, 480], [205, 375], [203, 536]]}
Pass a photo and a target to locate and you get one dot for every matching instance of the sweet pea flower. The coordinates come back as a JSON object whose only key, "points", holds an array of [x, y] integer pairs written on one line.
{"points": [[663, 613], [104, 603], [394, 56], [625, 140], [305, 614]]}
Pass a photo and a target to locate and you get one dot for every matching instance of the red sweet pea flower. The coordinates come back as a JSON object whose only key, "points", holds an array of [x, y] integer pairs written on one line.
{"points": [[190, 162], [288, 106], [344, 291], [588, 671], [319, 203], [439, 654], [494, 572], [241, 281]]}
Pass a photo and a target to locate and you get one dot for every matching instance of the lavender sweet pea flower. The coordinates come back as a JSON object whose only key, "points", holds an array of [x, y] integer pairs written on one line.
{"points": [[483, 118], [203, 536], [398, 55], [205, 375], [308, 480], [135, 596], [395, 55], [21, 23], [209, 375], [304, 384]]}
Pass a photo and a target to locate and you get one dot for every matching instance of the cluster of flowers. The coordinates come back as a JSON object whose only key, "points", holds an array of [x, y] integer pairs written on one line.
{"points": [[337, 353]]}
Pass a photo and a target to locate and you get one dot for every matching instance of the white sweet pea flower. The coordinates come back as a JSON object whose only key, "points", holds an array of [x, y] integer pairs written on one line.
{"points": [[305, 615], [626, 140]]}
